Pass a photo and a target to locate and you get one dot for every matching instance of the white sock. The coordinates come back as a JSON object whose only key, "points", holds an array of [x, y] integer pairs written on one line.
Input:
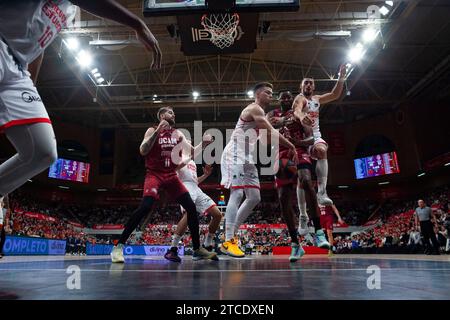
{"points": [[175, 240], [208, 240], [231, 212], [322, 175], [301, 200], [252, 198]]}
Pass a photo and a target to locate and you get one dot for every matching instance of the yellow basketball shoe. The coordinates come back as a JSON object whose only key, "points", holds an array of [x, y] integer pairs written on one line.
{"points": [[231, 248]]}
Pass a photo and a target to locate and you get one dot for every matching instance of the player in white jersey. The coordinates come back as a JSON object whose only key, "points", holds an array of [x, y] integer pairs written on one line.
{"points": [[239, 173], [27, 27], [187, 172], [310, 104]]}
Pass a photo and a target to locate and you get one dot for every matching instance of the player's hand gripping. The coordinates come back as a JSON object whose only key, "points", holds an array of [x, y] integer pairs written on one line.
{"points": [[207, 169], [163, 124]]}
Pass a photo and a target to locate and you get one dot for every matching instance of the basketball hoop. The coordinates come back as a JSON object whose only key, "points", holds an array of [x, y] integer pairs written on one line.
{"points": [[221, 26]]}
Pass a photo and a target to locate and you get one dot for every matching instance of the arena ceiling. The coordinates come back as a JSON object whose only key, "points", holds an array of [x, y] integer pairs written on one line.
{"points": [[409, 61]]}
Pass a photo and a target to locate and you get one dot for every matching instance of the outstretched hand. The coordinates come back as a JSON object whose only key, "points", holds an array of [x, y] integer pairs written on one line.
{"points": [[151, 44], [342, 71]]}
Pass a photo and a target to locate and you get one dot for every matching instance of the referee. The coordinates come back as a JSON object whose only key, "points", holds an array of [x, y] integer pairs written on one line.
{"points": [[426, 219]]}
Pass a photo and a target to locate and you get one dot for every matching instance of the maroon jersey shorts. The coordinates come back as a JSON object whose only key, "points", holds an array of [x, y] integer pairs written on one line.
{"points": [[326, 222], [170, 182], [304, 162]]}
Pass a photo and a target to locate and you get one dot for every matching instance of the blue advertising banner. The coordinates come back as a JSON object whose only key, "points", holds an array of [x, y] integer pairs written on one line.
{"points": [[104, 249], [33, 246]]}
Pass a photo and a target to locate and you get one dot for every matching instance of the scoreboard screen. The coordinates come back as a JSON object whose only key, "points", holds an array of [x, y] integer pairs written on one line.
{"points": [[69, 170], [376, 165]]}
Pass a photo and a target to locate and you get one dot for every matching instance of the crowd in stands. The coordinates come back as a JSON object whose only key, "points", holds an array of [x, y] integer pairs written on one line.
{"points": [[21, 225], [395, 232]]}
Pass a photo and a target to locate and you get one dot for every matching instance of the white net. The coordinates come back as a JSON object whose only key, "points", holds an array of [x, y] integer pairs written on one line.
{"points": [[221, 26]]}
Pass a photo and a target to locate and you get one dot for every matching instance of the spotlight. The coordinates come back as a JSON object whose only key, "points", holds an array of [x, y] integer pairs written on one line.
{"points": [[84, 58], [97, 75], [250, 93], [195, 94], [384, 11], [72, 43], [370, 34], [100, 80], [389, 3], [356, 53], [95, 70]]}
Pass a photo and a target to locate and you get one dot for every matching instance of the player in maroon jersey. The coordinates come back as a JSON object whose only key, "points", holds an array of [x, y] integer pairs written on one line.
{"points": [[161, 161], [302, 137], [327, 213], [277, 119]]}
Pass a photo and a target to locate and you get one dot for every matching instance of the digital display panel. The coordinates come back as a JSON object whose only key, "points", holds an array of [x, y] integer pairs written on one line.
{"points": [[376, 165], [69, 170]]}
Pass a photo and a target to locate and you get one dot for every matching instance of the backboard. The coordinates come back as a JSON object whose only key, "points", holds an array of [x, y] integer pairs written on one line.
{"points": [[189, 7]]}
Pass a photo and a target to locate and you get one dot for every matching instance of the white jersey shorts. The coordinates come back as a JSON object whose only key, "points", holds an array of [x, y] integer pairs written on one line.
{"points": [[201, 200], [20, 102], [239, 176]]}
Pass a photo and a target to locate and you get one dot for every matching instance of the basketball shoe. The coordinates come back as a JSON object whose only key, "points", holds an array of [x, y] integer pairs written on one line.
{"points": [[232, 249], [117, 254], [296, 252]]}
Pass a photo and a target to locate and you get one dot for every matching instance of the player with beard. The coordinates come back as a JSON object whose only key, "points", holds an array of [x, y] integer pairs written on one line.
{"points": [[158, 149], [309, 105]]}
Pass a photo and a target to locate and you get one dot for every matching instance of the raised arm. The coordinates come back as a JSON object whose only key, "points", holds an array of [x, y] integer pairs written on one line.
{"points": [[337, 90], [261, 122], [299, 111], [112, 10], [150, 137]]}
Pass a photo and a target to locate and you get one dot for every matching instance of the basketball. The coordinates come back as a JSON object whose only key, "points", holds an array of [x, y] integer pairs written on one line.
{"points": [[286, 169]]}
